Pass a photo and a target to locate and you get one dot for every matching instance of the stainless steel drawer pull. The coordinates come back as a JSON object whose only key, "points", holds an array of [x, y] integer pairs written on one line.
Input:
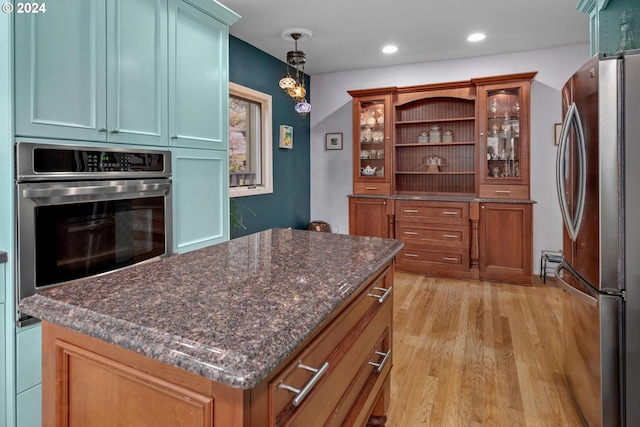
{"points": [[503, 191], [450, 236], [380, 366], [410, 211], [449, 213], [302, 393], [412, 233], [448, 258], [382, 297], [411, 255], [370, 188]]}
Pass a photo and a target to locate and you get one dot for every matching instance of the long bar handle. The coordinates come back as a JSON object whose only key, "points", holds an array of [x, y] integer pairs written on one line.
{"points": [[410, 211], [503, 191], [382, 297], [380, 366], [93, 189], [302, 393], [449, 213], [448, 258], [567, 287], [411, 233]]}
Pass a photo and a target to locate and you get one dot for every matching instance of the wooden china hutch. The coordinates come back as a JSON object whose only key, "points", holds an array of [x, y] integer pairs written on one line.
{"points": [[445, 168]]}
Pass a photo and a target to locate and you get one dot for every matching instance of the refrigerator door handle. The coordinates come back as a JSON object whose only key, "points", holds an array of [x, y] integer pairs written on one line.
{"points": [[572, 119], [567, 287]]}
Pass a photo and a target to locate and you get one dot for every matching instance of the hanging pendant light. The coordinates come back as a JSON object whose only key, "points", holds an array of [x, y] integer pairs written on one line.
{"points": [[294, 86]]}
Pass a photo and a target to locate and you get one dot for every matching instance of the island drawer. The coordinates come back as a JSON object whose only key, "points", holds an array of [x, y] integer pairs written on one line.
{"points": [[456, 236], [309, 389], [432, 212]]}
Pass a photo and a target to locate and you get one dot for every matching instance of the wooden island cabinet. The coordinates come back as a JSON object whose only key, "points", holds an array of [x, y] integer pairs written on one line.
{"points": [[458, 192], [230, 335]]}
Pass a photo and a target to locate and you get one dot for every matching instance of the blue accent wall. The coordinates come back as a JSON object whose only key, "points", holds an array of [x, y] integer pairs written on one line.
{"points": [[289, 204]]}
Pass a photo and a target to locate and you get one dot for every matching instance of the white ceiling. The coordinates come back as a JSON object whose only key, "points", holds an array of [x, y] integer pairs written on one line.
{"points": [[349, 34]]}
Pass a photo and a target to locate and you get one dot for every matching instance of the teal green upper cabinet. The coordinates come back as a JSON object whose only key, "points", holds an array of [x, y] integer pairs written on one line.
{"points": [[606, 24], [93, 70], [198, 77]]}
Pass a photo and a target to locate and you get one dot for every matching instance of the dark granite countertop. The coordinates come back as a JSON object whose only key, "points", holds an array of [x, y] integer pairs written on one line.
{"points": [[439, 198], [3, 257], [230, 312]]}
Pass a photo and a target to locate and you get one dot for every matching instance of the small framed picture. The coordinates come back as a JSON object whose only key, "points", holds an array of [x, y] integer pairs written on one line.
{"points": [[333, 141], [558, 130], [286, 136]]}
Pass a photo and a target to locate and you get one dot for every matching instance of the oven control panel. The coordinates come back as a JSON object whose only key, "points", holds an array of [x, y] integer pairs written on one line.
{"points": [[36, 161]]}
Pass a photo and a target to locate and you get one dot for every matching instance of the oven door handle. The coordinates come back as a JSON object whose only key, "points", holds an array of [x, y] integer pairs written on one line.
{"points": [[99, 191]]}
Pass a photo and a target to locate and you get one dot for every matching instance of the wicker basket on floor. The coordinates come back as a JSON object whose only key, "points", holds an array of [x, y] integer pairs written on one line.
{"points": [[319, 226]]}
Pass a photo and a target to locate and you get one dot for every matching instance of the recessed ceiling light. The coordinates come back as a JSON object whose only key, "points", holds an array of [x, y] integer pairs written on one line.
{"points": [[476, 37], [390, 49]]}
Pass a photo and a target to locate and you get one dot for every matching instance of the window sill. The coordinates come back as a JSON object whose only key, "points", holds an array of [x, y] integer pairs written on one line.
{"points": [[246, 191]]}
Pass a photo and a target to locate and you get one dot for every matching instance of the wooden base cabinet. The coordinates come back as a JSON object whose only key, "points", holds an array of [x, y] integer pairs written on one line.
{"points": [[370, 217], [506, 246], [339, 376]]}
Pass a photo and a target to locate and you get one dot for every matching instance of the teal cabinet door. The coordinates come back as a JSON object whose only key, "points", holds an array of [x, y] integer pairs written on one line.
{"points": [[60, 72], [137, 72], [198, 78], [3, 366], [29, 408], [93, 71], [200, 198]]}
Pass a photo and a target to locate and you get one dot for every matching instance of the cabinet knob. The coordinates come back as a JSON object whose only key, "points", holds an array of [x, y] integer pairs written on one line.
{"points": [[174, 136], [115, 130], [102, 129]]}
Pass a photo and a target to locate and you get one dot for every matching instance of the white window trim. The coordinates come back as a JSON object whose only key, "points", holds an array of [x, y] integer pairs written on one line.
{"points": [[266, 138]]}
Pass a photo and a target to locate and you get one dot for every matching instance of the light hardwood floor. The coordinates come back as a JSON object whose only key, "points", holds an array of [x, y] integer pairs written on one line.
{"points": [[477, 354]]}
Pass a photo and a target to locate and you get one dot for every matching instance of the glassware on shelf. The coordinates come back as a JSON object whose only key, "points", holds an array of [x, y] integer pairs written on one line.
{"points": [[493, 106], [434, 134], [516, 109], [371, 118], [447, 136], [380, 119], [423, 137], [368, 134], [505, 128], [516, 127]]}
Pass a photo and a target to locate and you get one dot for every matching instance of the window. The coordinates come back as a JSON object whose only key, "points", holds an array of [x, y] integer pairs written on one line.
{"points": [[250, 142]]}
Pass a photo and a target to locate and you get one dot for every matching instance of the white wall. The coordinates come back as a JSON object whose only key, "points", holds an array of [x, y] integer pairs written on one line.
{"points": [[331, 179]]}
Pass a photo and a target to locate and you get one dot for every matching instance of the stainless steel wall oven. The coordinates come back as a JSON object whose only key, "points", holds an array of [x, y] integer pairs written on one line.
{"points": [[84, 211]]}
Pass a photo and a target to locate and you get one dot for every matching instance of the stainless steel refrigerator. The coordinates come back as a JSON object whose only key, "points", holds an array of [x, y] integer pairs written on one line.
{"points": [[598, 181]]}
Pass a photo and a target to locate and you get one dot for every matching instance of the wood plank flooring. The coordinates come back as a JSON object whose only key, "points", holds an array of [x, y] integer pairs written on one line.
{"points": [[477, 354]]}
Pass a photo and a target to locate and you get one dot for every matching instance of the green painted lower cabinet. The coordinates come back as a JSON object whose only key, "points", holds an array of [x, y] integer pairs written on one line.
{"points": [[29, 376], [200, 201], [29, 409], [3, 362]]}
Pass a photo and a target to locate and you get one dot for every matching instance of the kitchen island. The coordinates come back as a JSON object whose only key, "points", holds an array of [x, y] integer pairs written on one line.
{"points": [[282, 327]]}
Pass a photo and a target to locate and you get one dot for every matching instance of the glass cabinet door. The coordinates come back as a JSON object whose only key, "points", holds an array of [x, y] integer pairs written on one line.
{"points": [[504, 147], [504, 140], [371, 141]]}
